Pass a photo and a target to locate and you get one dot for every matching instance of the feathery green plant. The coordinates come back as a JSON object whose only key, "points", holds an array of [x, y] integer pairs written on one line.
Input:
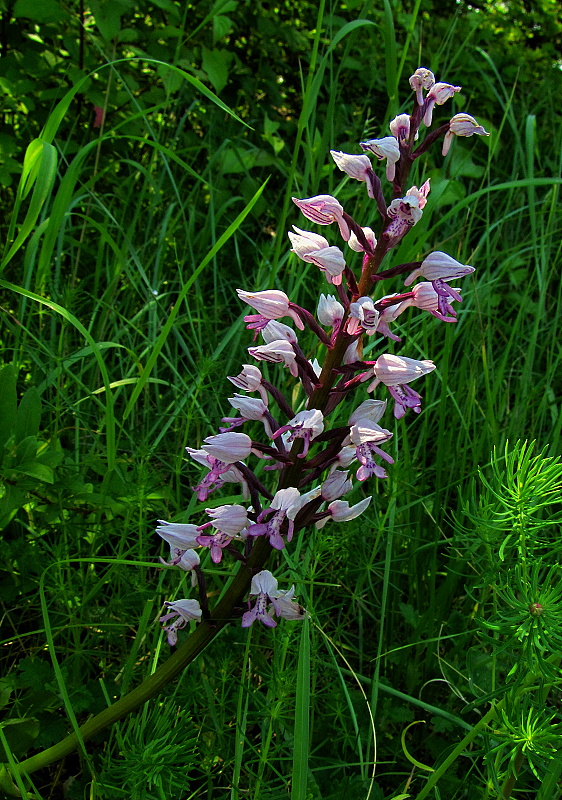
{"points": [[509, 533]]}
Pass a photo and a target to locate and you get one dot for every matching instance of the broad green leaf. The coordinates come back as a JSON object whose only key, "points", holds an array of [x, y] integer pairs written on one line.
{"points": [[171, 80], [33, 469], [128, 35], [28, 415], [39, 171], [25, 452], [224, 6], [50, 454], [8, 403], [35, 672], [7, 784], [242, 160], [107, 16], [12, 500], [215, 64], [167, 5], [6, 689], [40, 10], [461, 164], [20, 735], [221, 26]]}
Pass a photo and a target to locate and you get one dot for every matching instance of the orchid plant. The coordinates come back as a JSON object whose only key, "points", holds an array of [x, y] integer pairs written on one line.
{"points": [[310, 460]]}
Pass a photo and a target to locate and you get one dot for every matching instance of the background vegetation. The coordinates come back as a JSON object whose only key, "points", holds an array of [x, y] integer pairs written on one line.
{"points": [[107, 377]]}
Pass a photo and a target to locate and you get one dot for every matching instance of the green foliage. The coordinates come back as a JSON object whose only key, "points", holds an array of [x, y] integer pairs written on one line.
{"points": [[27, 464]]}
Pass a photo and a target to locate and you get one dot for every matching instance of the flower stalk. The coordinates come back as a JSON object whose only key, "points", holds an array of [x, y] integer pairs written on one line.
{"points": [[302, 451]]}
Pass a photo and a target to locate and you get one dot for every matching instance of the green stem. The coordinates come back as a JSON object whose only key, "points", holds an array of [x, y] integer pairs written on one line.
{"points": [[550, 784]]}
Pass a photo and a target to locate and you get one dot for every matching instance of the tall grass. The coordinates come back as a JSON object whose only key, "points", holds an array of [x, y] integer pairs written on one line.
{"points": [[120, 309]]}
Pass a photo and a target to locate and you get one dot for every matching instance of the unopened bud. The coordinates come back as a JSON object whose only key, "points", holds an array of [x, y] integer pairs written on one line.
{"points": [[421, 79]]}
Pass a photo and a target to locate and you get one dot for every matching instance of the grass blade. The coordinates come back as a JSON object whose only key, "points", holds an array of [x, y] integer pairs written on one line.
{"points": [[302, 711]]}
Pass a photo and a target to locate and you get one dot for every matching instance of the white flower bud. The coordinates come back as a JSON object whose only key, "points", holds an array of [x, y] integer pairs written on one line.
{"points": [[228, 447], [275, 330], [372, 410], [336, 485], [330, 311]]}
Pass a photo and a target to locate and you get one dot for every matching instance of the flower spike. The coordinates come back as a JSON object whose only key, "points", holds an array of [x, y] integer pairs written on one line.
{"points": [[312, 485]]}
